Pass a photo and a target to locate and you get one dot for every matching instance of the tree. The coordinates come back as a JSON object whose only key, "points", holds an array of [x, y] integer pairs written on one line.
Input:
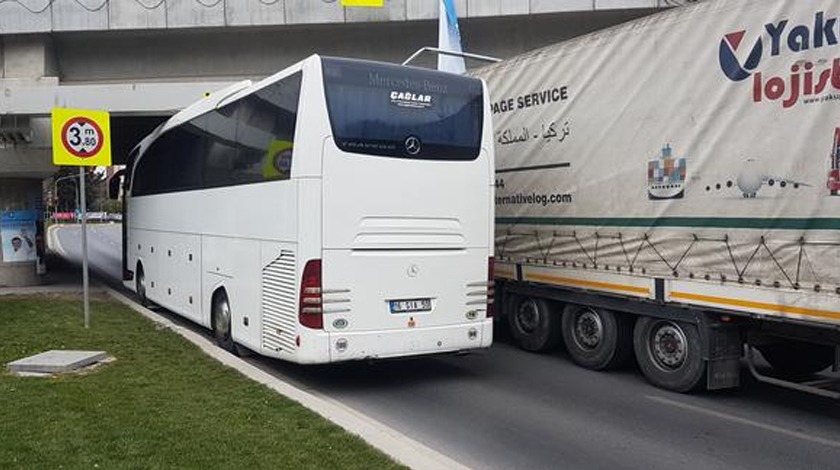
{"points": [[63, 189]]}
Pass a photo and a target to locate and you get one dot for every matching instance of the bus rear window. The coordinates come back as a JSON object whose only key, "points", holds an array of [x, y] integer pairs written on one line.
{"points": [[402, 112]]}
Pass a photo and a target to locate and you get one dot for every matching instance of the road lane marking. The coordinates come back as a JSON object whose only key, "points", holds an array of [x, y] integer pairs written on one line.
{"points": [[746, 422]]}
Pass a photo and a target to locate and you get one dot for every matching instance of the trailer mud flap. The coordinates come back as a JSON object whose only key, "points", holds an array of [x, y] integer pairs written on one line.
{"points": [[724, 356]]}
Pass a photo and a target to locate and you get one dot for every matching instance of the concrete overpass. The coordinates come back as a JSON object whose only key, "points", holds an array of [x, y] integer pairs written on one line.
{"points": [[144, 59]]}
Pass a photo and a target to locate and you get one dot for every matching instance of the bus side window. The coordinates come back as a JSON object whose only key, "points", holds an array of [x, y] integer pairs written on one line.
{"points": [[247, 141], [252, 141], [219, 128], [272, 114], [188, 158], [171, 163], [219, 163]]}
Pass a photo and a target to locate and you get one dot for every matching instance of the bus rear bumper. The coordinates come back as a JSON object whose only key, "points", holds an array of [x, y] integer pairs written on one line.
{"points": [[363, 345]]}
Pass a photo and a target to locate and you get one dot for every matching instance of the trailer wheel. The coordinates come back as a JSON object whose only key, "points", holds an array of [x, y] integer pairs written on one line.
{"points": [[596, 338], [221, 319], [669, 353], [796, 358], [533, 325]]}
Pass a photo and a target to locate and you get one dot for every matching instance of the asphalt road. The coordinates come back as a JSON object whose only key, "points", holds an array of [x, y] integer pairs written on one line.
{"points": [[104, 247], [510, 409]]}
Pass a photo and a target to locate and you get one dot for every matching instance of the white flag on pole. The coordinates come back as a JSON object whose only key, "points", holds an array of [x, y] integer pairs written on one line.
{"points": [[450, 39]]}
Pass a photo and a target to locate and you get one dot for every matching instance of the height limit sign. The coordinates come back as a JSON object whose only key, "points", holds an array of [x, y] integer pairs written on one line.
{"points": [[81, 138]]}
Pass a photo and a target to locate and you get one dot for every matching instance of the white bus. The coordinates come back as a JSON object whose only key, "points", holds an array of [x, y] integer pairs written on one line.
{"points": [[338, 210]]}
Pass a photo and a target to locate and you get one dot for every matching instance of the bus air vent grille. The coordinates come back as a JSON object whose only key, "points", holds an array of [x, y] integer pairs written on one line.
{"points": [[279, 303]]}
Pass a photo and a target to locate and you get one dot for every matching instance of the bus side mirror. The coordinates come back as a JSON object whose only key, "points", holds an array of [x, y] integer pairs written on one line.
{"points": [[114, 185]]}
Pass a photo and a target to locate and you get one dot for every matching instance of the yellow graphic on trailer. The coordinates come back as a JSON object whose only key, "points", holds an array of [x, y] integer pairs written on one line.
{"points": [[278, 160], [363, 3], [81, 137]]}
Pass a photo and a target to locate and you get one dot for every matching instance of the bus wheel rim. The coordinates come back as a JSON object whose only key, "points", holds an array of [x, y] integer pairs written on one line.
{"points": [[141, 285], [223, 320]]}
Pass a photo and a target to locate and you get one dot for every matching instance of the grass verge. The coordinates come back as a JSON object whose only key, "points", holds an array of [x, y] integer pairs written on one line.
{"points": [[161, 404]]}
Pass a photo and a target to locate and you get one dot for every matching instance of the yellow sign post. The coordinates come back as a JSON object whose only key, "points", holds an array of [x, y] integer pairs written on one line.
{"points": [[82, 138]]}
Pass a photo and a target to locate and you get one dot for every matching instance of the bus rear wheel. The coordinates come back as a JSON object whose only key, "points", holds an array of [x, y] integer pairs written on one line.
{"points": [[533, 324], [669, 353], [596, 338], [221, 317]]}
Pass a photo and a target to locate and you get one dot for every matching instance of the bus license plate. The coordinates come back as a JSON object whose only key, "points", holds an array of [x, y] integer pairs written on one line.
{"points": [[412, 305]]}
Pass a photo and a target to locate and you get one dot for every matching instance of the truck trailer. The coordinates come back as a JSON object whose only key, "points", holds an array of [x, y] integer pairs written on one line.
{"points": [[666, 189]]}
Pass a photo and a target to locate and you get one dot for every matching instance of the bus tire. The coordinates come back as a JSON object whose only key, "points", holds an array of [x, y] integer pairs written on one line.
{"points": [[797, 358], [140, 285], [669, 353], [242, 351], [221, 320], [533, 324], [596, 338]]}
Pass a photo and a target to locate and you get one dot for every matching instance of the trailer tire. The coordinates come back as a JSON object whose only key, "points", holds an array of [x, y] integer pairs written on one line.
{"points": [[596, 338], [669, 353], [533, 325], [797, 358]]}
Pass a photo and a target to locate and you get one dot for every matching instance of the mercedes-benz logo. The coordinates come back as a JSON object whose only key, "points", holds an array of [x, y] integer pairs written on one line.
{"points": [[412, 145], [413, 270]]}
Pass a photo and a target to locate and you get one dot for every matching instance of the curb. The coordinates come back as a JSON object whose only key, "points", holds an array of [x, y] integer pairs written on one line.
{"points": [[396, 445]]}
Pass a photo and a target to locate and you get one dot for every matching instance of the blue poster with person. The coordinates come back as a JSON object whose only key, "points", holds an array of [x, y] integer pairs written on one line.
{"points": [[17, 236]]}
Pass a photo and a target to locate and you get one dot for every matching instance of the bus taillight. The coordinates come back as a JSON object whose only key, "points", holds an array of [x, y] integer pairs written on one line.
{"points": [[491, 309], [311, 312], [833, 181]]}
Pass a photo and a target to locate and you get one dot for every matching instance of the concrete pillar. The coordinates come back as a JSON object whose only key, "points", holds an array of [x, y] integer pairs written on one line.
{"points": [[24, 161], [21, 231], [27, 57]]}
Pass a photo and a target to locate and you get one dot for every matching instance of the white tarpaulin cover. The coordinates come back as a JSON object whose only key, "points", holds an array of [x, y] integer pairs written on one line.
{"points": [[702, 142]]}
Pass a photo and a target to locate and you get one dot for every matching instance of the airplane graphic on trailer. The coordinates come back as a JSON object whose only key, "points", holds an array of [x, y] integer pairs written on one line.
{"points": [[751, 178], [667, 177]]}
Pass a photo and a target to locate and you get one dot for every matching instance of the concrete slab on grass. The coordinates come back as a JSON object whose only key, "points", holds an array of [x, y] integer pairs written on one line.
{"points": [[56, 362]]}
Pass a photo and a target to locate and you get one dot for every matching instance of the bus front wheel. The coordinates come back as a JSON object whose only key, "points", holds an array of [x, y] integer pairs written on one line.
{"points": [[140, 285]]}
